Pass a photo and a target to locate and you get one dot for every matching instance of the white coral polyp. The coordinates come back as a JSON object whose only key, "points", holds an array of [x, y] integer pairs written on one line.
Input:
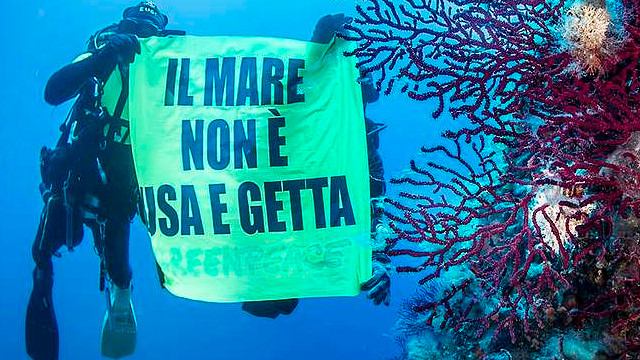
{"points": [[587, 34]]}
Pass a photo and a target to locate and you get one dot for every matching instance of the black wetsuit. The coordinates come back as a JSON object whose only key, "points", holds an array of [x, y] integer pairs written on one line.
{"points": [[376, 170], [89, 180], [117, 197]]}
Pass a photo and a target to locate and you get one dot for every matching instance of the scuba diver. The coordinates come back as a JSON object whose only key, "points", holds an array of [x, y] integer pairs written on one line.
{"points": [[379, 285], [89, 179]]}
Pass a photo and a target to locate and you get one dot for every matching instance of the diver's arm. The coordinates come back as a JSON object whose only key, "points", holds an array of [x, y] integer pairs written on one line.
{"points": [[379, 286], [67, 82], [376, 167]]}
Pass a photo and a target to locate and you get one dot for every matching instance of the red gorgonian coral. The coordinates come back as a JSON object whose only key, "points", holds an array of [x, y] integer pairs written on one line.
{"points": [[538, 195]]}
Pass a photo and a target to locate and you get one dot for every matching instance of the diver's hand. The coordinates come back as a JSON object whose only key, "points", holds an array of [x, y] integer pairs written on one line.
{"points": [[121, 48], [379, 286], [328, 26]]}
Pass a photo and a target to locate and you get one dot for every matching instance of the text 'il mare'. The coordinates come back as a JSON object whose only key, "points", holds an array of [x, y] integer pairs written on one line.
{"points": [[221, 88]]}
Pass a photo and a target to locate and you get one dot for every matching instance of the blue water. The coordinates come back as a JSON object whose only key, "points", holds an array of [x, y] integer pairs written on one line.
{"points": [[37, 38]]}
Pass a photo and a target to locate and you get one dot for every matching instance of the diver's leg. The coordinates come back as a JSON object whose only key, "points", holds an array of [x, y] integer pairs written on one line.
{"points": [[51, 232], [41, 328], [118, 336], [119, 202], [116, 251]]}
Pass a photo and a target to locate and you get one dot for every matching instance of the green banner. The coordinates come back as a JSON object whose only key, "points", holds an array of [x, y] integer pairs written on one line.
{"points": [[252, 163]]}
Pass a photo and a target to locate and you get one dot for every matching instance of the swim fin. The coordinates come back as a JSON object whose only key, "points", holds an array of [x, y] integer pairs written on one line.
{"points": [[41, 327], [118, 337]]}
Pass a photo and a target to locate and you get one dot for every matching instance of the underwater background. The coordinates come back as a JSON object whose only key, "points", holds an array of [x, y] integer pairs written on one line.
{"points": [[39, 37]]}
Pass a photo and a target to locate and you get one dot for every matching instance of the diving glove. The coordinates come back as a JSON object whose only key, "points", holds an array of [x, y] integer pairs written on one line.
{"points": [[121, 48], [118, 337], [379, 286]]}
